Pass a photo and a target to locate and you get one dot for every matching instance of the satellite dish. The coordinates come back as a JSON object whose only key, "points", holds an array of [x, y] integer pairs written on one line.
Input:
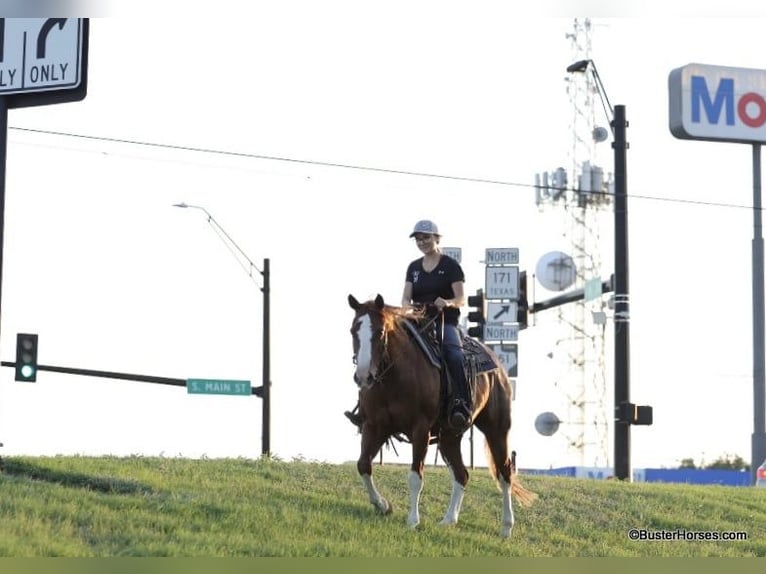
{"points": [[600, 134], [556, 271], [547, 423]]}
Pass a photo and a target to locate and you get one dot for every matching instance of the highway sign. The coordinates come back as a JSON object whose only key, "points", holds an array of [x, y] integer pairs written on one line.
{"points": [[455, 252], [509, 357], [501, 332], [501, 283], [38, 54], [499, 313], [501, 256], [217, 387]]}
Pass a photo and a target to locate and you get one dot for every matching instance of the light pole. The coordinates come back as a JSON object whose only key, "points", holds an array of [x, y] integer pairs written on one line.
{"points": [[624, 411], [265, 390]]}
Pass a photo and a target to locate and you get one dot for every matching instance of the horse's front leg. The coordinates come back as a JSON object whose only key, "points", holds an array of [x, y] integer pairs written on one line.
{"points": [[372, 441], [450, 447], [419, 440]]}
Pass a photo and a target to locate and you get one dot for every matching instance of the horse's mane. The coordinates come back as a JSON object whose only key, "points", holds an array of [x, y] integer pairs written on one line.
{"points": [[394, 317]]}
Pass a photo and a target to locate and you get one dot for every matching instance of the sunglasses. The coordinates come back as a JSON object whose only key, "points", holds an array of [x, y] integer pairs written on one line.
{"points": [[423, 237]]}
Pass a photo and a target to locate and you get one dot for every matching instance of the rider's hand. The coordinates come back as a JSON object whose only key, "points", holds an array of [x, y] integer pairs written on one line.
{"points": [[440, 303]]}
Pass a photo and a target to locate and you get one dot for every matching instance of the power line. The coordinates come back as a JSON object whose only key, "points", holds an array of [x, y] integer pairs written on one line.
{"points": [[467, 179]]}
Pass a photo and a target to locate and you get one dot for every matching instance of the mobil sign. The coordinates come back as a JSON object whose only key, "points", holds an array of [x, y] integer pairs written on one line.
{"points": [[718, 103]]}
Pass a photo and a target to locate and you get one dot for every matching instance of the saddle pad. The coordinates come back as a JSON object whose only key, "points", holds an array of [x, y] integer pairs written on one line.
{"points": [[473, 351]]}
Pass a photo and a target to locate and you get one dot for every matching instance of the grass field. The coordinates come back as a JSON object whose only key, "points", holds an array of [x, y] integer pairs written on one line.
{"points": [[136, 506]]}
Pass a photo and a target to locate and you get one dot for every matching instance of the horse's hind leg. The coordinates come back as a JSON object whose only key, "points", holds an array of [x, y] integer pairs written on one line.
{"points": [[372, 442], [450, 447], [500, 466]]}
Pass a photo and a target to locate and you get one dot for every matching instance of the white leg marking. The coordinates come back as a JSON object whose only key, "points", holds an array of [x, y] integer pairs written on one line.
{"points": [[364, 356], [508, 519], [375, 498], [453, 510], [416, 487]]}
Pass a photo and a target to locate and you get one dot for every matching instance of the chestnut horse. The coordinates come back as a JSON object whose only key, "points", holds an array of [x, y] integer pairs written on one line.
{"points": [[400, 394]]}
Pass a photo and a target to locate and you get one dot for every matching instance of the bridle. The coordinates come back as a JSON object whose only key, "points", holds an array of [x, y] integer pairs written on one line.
{"points": [[385, 363]]}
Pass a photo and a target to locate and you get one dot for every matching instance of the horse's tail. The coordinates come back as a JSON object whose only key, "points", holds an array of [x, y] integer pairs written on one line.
{"points": [[525, 496]]}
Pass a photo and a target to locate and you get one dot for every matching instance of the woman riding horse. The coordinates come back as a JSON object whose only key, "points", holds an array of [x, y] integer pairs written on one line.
{"points": [[437, 280]]}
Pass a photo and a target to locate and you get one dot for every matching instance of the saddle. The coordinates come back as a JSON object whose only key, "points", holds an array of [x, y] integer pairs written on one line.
{"points": [[476, 359]]}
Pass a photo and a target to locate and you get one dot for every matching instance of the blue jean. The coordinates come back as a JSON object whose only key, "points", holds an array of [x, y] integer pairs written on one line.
{"points": [[452, 347]]}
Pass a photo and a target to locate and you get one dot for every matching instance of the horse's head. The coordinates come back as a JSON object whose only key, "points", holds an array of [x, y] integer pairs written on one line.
{"points": [[369, 335]]}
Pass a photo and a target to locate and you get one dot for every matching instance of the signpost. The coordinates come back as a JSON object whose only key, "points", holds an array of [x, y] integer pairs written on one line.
{"points": [[218, 387], [42, 61], [501, 289]]}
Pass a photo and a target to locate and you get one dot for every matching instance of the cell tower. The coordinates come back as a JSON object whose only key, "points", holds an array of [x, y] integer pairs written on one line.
{"points": [[583, 204]]}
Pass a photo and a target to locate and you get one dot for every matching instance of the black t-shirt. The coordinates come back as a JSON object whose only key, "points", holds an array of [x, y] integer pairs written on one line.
{"points": [[427, 286]]}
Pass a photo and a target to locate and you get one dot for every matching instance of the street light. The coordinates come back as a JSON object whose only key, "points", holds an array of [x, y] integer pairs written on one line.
{"points": [[265, 390], [623, 410]]}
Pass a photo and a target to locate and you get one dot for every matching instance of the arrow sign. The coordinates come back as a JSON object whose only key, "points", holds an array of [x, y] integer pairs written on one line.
{"points": [[501, 313]]}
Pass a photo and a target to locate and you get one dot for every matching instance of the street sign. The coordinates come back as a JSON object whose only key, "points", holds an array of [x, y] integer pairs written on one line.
{"points": [[40, 54], [499, 313], [501, 332], [501, 256], [509, 357], [501, 283], [217, 387], [455, 252]]}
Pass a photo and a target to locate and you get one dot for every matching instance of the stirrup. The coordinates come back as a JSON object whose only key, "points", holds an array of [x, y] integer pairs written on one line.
{"points": [[355, 418]]}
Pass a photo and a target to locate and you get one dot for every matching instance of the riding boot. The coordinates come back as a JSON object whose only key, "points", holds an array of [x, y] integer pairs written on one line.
{"points": [[460, 410], [355, 416]]}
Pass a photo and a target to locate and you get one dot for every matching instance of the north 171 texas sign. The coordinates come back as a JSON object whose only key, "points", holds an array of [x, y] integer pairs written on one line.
{"points": [[43, 60]]}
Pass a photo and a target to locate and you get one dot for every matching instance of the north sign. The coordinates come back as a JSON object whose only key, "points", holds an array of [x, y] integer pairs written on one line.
{"points": [[501, 256], [501, 332]]}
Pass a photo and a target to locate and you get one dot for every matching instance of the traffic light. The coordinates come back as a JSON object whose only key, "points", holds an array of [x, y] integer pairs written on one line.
{"points": [[26, 357], [522, 314], [476, 315]]}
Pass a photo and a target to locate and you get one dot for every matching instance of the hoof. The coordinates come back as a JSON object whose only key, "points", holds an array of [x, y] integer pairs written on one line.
{"points": [[389, 508], [446, 522], [506, 531]]}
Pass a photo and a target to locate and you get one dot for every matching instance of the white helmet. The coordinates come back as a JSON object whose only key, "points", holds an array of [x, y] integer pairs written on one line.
{"points": [[425, 226]]}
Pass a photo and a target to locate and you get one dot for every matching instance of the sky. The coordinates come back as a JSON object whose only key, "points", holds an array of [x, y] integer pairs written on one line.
{"points": [[317, 135]]}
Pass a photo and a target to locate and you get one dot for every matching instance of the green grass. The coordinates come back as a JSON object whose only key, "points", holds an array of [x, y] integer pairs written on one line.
{"points": [[136, 506]]}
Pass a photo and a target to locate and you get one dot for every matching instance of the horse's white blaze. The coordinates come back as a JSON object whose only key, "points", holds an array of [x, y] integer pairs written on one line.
{"points": [[508, 518], [364, 356], [416, 487], [377, 500], [456, 501]]}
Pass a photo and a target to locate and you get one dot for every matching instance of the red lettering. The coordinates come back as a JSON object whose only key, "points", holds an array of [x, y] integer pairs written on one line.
{"points": [[752, 98]]}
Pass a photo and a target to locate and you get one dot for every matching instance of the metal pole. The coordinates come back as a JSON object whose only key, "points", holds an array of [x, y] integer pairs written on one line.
{"points": [[266, 431], [3, 154], [758, 439], [622, 468]]}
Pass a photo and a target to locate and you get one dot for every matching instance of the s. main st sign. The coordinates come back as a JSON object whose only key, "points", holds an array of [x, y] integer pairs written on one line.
{"points": [[718, 103]]}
